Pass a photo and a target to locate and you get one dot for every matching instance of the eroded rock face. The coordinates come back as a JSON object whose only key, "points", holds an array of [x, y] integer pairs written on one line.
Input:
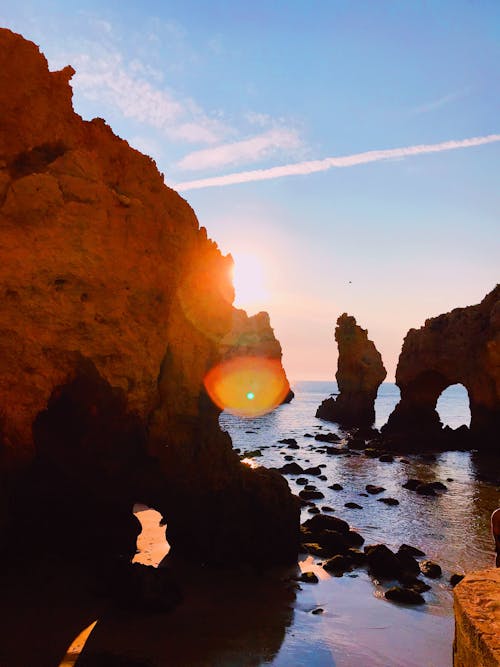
{"points": [[360, 372], [113, 306], [253, 336], [462, 346]]}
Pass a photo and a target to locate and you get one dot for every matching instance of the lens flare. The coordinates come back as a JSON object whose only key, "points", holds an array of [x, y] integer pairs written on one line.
{"points": [[247, 386]]}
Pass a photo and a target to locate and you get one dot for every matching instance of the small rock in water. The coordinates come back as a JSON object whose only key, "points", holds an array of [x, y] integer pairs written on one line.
{"points": [[371, 488], [456, 579], [405, 595], [291, 469], [310, 487], [313, 510], [317, 611], [316, 471], [386, 458], [430, 569], [365, 495], [336, 487], [288, 441], [310, 495], [323, 477], [251, 454], [327, 437], [308, 435], [309, 578], [338, 564], [388, 501], [288, 457], [326, 508], [302, 481], [353, 506], [293, 446]]}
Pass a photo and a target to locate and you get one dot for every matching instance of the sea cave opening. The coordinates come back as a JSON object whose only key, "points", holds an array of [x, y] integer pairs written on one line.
{"points": [[152, 546], [453, 406]]}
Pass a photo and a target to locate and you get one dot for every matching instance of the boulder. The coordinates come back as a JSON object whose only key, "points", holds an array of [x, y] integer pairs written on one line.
{"points": [[382, 562], [404, 595], [430, 569]]}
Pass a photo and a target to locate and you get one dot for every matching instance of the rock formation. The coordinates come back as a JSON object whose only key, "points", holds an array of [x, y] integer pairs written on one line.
{"points": [[254, 337], [360, 372], [462, 346], [114, 303]]}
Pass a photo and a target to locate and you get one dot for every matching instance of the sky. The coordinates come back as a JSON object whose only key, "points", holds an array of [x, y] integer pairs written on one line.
{"points": [[346, 153]]}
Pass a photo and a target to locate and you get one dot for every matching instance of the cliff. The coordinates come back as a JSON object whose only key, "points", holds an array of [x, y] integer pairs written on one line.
{"points": [[477, 620], [462, 346], [114, 304], [360, 372]]}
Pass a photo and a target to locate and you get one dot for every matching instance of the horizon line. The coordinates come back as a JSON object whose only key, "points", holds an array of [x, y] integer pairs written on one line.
{"points": [[313, 166]]}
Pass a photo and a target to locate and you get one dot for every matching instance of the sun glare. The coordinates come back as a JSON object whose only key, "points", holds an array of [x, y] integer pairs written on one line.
{"points": [[247, 386], [249, 280]]}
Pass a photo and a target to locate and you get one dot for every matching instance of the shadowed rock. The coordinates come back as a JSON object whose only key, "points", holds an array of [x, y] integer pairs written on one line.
{"points": [[360, 372], [462, 346], [114, 306]]}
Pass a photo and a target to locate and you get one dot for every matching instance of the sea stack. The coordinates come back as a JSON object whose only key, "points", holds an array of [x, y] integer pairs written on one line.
{"points": [[462, 346], [360, 371], [114, 304]]}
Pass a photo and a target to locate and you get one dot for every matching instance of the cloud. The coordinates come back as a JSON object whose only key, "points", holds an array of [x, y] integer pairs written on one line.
{"points": [[104, 76], [440, 102], [248, 150], [310, 167]]}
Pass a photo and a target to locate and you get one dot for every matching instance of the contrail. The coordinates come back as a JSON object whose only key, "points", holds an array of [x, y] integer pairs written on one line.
{"points": [[301, 168]]}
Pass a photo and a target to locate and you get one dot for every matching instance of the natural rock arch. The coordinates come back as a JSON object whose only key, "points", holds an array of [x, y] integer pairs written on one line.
{"points": [[460, 347]]}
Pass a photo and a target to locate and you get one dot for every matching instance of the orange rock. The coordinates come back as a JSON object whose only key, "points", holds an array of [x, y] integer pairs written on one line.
{"points": [[109, 282]]}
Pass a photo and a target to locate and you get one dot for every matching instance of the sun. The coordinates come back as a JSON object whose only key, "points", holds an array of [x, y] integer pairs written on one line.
{"points": [[249, 280]]}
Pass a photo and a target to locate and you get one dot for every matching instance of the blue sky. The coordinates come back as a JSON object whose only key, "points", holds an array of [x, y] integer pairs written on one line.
{"points": [[216, 88]]}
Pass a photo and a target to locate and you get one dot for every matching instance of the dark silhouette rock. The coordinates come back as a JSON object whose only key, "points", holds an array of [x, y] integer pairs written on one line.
{"points": [[388, 501], [360, 372], [324, 522], [430, 569], [412, 551], [338, 564], [456, 579], [115, 306], [457, 347], [336, 487], [291, 469], [382, 562], [308, 578], [353, 506], [327, 437], [404, 595], [373, 489], [310, 495]]}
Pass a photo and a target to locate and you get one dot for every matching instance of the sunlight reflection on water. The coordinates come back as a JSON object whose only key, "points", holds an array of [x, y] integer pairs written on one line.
{"points": [[452, 528]]}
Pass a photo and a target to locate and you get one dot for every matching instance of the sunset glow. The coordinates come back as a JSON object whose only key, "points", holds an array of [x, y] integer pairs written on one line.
{"points": [[250, 282]]}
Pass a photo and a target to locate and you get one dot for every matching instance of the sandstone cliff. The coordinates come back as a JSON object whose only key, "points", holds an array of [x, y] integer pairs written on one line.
{"points": [[114, 303], [462, 346], [360, 372]]}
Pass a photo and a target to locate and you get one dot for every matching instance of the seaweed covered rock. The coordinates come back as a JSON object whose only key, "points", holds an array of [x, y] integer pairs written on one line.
{"points": [[114, 306], [360, 372]]}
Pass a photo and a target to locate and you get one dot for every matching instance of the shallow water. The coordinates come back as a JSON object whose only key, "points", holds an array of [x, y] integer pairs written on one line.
{"points": [[357, 626]]}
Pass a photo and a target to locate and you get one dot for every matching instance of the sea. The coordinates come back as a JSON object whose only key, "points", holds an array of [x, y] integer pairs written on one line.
{"points": [[346, 621]]}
